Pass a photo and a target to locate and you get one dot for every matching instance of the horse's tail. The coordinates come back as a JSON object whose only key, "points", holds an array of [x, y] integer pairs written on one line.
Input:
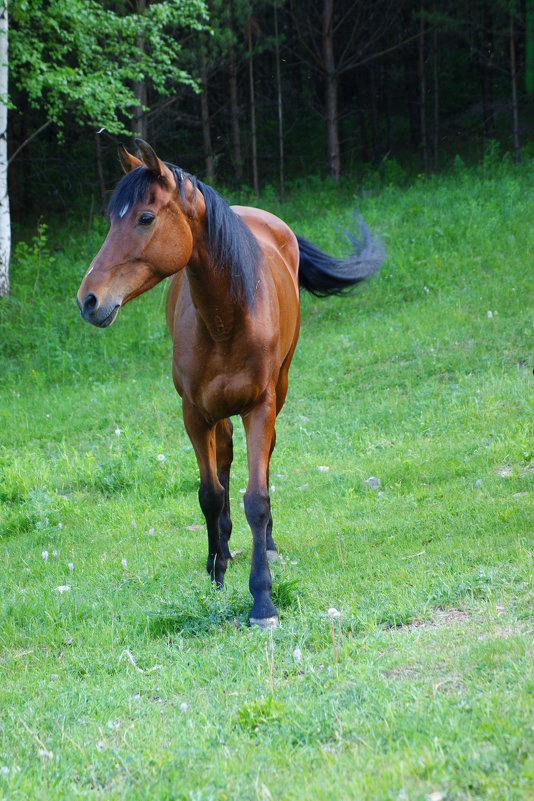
{"points": [[324, 275]]}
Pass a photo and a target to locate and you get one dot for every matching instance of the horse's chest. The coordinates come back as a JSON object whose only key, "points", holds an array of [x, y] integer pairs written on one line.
{"points": [[218, 383]]}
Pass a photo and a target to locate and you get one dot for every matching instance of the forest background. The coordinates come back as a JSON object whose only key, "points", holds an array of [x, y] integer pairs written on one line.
{"points": [[259, 93]]}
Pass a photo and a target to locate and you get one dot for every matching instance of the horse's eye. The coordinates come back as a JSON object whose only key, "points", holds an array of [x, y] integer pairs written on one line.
{"points": [[146, 218]]}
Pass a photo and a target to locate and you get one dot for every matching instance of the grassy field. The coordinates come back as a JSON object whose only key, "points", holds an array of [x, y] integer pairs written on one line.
{"points": [[141, 681]]}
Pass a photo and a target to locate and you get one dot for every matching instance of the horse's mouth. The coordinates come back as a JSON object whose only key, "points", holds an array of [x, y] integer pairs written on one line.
{"points": [[99, 317], [109, 319]]}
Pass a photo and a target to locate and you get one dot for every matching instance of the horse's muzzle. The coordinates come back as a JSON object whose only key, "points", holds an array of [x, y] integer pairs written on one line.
{"points": [[101, 316]]}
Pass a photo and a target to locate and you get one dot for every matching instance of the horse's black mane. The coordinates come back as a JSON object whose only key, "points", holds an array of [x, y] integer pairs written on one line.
{"points": [[233, 247]]}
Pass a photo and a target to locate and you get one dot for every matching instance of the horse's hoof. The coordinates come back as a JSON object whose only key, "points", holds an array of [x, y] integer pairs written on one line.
{"points": [[272, 556], [264, 622]]}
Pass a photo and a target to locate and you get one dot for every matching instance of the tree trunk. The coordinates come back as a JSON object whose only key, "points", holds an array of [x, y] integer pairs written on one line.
{"points": [[409, 63], [436, 95], [487, 71], [279, 96], [205, 118], [5, 221], [515, 115], [100, 174], [374, 115], [422, 89], [139, 126], [529, 46], [255, 183], [332, 85], [234, 118]]}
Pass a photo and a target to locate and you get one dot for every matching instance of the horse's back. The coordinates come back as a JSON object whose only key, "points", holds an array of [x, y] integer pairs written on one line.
{"points": [[273, 234]]}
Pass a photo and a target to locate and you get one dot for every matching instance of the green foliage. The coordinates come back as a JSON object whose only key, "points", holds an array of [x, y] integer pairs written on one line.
{"points": [[79, 60]]}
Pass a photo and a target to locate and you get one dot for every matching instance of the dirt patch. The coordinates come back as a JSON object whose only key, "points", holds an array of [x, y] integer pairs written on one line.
{"points": [[508, 470], [442, 618]]}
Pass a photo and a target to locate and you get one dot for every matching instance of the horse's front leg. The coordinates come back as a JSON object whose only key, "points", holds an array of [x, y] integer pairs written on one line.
{"points": [[259, 429], [211, 493]]}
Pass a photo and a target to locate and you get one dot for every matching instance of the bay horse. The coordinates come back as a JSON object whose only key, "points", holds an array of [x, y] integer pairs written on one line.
{"points": [[233, 313]]}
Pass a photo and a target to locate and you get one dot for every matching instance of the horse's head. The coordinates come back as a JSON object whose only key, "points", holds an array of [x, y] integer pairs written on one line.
{"points": [[149, 239]]}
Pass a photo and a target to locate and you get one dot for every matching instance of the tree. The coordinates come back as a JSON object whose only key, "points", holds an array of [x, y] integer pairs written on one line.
{"points": [[337, 37], [77, 60], [5, 227]]}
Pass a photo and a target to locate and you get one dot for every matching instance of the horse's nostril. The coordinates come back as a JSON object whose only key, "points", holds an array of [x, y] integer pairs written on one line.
{"points": [[89, 304]]}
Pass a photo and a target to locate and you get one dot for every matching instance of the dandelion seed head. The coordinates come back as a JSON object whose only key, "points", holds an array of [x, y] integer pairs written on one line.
{"points": [[161, 457], [118, 432], [297, 654], [184, 706], [333, 613], [45, 555], [151, 531]]}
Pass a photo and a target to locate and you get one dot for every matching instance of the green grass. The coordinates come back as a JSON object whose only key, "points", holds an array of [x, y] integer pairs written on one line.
{"points": [[429, 691]]}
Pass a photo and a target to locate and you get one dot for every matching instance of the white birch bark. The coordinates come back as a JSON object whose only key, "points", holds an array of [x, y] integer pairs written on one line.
{"points": [[5, 222]]}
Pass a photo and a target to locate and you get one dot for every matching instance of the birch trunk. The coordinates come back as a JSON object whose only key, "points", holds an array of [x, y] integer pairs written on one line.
{"points": [[5, 222]]}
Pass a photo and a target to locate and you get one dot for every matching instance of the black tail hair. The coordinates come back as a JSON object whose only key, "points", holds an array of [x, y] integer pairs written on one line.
{"points": [[324, 275]]}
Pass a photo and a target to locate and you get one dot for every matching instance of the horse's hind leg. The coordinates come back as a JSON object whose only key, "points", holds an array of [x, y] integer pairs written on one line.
{"points": [[211, 492], [225, 455]]}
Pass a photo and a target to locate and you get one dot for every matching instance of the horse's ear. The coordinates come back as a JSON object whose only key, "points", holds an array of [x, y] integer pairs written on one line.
{"points": [[152, 162], [128, 162], [149, 158]]}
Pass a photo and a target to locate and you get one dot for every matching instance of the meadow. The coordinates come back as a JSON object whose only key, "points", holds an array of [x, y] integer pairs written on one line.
{"points": [[140, 681]]}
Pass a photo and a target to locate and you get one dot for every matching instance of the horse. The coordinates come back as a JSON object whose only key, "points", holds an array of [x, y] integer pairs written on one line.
{"points": [[233, 313]]}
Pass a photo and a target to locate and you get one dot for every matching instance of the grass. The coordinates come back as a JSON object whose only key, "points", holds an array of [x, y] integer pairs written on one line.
{"points": [[143, 682]]}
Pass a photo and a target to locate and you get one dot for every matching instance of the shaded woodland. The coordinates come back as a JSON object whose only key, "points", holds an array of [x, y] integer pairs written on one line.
{"points": [[279, 91]]}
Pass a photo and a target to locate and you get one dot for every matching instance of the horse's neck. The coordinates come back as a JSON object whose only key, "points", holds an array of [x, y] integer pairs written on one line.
{"points": [[212, 297]]}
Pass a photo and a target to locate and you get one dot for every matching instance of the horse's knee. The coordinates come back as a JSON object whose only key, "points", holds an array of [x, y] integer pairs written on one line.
{"points": [[257, 509], [211, 500]]}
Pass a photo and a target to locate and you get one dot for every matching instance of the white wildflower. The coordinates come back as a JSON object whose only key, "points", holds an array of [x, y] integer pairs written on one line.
{"points": [[118, 432], [297, 654], [63, 588], [45, 555], [333, 613], [184, 706]]}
